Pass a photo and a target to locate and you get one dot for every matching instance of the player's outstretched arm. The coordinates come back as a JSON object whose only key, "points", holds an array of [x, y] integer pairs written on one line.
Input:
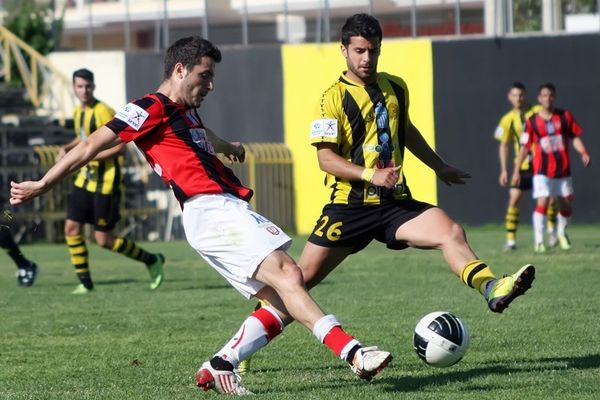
{"points": [[233, 151], [85, 151], [580, 147], [503, 156], [419, 147]]}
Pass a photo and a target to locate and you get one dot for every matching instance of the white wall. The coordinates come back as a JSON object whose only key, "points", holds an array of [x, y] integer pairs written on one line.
{"points": [[108, 68], [582, 23]]}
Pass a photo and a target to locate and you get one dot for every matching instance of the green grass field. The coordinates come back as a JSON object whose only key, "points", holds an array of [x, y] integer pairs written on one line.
{"points": [[126, 342]]}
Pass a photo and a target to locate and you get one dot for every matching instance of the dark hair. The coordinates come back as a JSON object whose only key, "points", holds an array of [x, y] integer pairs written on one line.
{"points": [[84, 73], [189, 51], [548, 85], [364, 25], [518, 85]]}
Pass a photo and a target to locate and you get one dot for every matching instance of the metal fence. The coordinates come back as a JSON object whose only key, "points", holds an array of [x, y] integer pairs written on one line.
{"points": [[120, 24], [150, 211]]}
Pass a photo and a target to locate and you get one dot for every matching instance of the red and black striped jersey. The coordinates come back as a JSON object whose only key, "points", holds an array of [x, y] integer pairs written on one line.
{"points": [[174, 141], [551, 136]]}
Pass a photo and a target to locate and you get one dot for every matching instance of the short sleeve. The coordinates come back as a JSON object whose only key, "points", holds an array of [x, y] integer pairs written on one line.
{"points": [[104, 114], [325, 126], [137, 119], [502, 132], [575, 129]]}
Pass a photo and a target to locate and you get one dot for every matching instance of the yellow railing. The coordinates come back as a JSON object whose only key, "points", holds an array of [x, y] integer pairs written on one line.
{"points": [[268, 170], [48, 89]]}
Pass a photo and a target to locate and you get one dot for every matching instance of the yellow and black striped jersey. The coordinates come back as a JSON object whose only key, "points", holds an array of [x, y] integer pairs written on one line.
{"points": [[104, 176], [368, 124], [510, 128]]}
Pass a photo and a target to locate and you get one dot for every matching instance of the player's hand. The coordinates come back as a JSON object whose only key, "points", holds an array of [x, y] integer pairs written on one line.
{"points": [[586, 160], [20, 192], [450, 175], [237, 153], [515, 180], [503, 179], [386, 177]]}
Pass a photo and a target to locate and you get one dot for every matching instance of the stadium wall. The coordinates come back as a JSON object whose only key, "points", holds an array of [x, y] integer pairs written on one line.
{"points": [[458, 93], [309, 70], [107, 66], [246, 104], [471, 78]]}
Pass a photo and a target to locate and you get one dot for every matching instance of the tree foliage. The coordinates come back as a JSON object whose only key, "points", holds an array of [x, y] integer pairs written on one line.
{"points": [[527, 14], [33, 23]]}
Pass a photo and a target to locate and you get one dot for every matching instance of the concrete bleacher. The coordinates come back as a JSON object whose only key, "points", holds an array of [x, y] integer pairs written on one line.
{"points": [[29, 145], [21, 130]]}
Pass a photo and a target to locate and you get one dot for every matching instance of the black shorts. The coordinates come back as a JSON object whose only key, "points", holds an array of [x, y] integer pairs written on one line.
{"points": [[356, 226], [100, 210], [526, 182]]}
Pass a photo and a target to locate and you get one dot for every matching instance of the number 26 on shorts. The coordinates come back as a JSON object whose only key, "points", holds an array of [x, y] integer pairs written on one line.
{"points": [[333, 232]]}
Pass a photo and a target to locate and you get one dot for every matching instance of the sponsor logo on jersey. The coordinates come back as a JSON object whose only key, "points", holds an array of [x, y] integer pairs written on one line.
{"points": [[325, 128], [133, 116], [199, 138]]}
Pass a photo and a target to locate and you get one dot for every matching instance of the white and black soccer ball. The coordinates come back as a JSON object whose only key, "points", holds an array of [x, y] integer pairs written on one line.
{"points": [[441, 339]]}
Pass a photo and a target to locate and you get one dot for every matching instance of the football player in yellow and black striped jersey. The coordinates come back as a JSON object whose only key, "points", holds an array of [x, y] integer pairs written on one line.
{"points": [[97, 192], [510, 129], [360, 131]]}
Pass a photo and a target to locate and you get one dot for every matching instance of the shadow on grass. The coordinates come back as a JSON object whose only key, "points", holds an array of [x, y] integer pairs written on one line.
{"points": [[102, 283], [444, 377], [412, 384]]}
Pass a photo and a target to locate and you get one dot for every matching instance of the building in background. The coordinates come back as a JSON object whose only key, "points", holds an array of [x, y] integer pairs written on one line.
{"points": [[152, 24]]}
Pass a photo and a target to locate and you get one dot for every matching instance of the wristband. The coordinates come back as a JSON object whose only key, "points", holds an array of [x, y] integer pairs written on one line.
{"points": [[584, 153], [367, 175]]}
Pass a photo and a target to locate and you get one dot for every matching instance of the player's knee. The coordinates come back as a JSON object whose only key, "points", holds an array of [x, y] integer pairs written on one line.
{"points": [[455, 234], [291, 276], [72, 229], [104, 241]]}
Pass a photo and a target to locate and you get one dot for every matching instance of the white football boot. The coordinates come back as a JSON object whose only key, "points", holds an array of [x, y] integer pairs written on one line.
{"points": [[369, 361], [225, 382]]}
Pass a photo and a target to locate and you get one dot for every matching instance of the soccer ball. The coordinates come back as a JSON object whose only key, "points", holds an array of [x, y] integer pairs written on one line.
{"points": [[441, 339]]}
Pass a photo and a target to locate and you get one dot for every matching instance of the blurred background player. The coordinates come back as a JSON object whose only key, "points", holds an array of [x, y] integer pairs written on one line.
{"points": [[27, 270], [97, 192], [547, 135], [509, 129]]}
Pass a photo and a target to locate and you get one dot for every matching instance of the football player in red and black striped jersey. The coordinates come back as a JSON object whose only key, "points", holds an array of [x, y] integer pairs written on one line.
{"points": [[548, 133], [246, 248]]}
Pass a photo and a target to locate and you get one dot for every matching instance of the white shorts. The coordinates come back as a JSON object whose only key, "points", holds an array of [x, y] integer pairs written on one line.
{"points": [[231, 237], [552, 187]]}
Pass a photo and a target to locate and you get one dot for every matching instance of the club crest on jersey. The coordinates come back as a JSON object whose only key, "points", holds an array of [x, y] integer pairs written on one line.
{"points": [[199, 137], [325, 128], [133, 115], [272, 230]]}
